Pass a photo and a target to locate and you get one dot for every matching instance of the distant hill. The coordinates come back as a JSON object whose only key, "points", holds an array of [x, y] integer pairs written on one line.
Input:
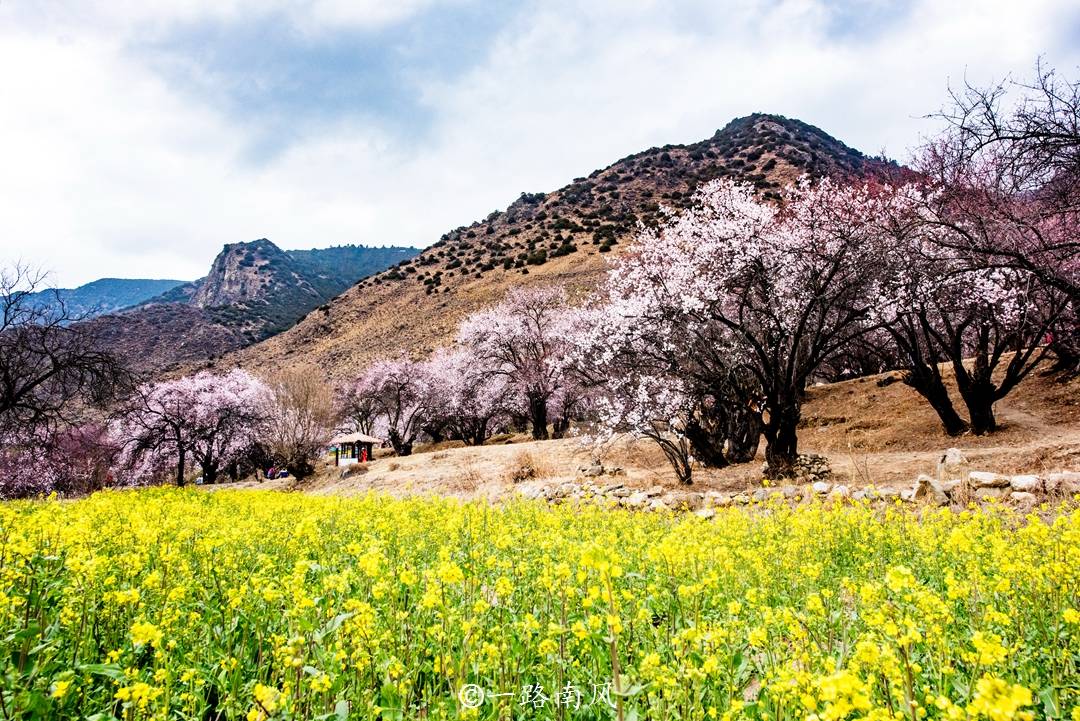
{"points": [[559, 237], [252, 291], [106, 295]]}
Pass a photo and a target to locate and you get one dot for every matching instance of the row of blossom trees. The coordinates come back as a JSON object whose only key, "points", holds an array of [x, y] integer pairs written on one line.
{"points": [[510, 369], [221, 423]]}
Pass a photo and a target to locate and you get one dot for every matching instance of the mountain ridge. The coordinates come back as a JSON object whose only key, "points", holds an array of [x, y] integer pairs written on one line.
{"points": [[253, 290], [561, 237]]}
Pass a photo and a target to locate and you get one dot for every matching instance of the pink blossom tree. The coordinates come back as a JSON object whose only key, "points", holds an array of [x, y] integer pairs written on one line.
{"points": [[470, 403], [523, 340], [210, 419], [772, 292], [401, 394], [989, 322]]}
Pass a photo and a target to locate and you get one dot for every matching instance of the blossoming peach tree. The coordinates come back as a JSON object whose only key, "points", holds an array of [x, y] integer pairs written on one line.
{"points": [[211, 419], [738, 302]]}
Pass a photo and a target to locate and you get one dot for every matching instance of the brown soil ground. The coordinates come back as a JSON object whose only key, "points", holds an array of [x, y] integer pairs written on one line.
{"points": [[872, 434]]}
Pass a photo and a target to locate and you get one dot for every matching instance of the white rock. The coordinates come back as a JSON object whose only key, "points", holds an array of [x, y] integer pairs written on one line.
{"points": [[840, 491], [716, 499], [928, 489], [952, 459], [705, 513], [1023, 497], [1027, 483], [760, 494], [907, 494], [655, 491], [821, 487], [636, 500], [987, 493], [658, 505], [982, 479], [1066, 482]]}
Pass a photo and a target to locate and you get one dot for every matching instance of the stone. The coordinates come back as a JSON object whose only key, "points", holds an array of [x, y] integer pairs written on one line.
{"points": [[1064, 482], [716, 499], [655, 491], [1023, 497], [982, 479], [952, 461], [928, 489], [1026, 483], [740, 499], [657, 504], [592, 471], [907, 494], [987, 493], [821, 487], [760, 494], [620, 492], [790, 491], [683, 500], [609, 487], [616, 472], [706, 513], [636, 500], [839, 491], [950, 486], [859, 495]]}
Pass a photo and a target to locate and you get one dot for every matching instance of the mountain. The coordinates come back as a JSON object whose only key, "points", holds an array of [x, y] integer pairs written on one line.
{"points": [[252, 291], [561, 237], [105, 295]]}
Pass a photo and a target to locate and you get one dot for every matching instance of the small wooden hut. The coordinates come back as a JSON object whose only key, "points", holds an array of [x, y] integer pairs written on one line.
{"points": [[352, 448]]}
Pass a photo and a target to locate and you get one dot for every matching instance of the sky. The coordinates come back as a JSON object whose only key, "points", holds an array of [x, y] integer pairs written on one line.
{"points": [[136, 138]]}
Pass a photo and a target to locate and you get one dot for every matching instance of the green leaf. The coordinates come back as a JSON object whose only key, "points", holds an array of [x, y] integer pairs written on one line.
{"points": [[1048, 696], [109, 670]]}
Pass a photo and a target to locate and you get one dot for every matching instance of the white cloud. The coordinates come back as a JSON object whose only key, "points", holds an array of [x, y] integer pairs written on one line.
{"points": [[111, 171]]}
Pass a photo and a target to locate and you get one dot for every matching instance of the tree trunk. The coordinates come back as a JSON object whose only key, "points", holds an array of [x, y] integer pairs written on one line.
{"points": [[707, 431], [559, 427], [182, 457], [401, 446], [209, 471], [781, 441], [743, 435], [538, 415], [980, 405], [936, 394]]}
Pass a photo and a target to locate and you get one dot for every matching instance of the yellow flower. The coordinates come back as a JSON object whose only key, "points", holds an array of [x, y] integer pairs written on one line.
{"points": [[145, 633], [60, 689], [999, 700], [1071, 616]]}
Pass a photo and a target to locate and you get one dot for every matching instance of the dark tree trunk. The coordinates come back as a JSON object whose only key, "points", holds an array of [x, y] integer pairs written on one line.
{"points": [[400, 445], [980, 404], [181, 459], [707, 431], [559, 427], [930, 386], [538, 415], [519, 422], [743, 436], [209, 471], [436, 432], [677, 455], [781, 440], [300, 469]]}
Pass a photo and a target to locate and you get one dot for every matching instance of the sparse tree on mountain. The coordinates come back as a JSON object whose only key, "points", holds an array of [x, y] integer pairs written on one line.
{"points": [[211, 420]]}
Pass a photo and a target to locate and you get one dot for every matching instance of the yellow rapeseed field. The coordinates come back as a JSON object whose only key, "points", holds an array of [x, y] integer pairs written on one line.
{"points": [[182, 604]]}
